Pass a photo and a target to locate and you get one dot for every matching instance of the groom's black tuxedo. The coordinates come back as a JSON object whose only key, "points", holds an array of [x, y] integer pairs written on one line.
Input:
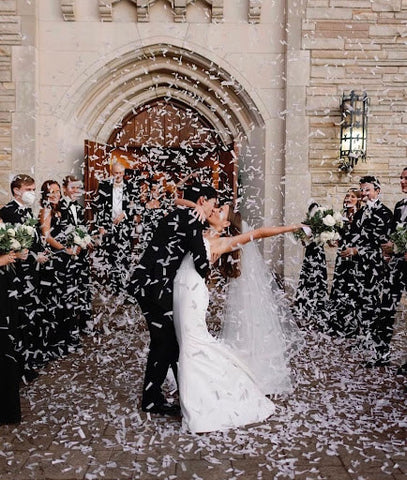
{"points": [[177, 233], [152, 284]]}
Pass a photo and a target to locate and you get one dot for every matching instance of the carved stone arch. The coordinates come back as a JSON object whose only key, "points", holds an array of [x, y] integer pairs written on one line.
{"points": [[179, 72], [101, 98]]}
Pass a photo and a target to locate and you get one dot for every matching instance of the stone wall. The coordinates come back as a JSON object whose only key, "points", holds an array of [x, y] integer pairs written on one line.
{"points": [[356, 45], [10, 34]]}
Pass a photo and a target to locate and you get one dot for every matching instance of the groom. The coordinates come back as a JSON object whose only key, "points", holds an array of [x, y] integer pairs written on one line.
{"points": [[178, 233]]}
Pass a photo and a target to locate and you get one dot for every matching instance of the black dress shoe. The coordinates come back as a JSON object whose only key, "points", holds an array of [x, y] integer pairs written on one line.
{"points": [[164, 409]]}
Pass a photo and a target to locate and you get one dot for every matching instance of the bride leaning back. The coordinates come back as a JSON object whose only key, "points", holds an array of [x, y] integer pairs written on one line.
{"points": [[218, 389]]}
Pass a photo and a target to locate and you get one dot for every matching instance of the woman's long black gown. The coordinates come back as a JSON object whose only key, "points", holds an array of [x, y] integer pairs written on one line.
{"points": [[10, 367], [55, 285], [312, 291]]}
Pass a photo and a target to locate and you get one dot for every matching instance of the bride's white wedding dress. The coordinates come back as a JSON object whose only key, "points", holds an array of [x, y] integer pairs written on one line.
{"points": [[217, 390]]}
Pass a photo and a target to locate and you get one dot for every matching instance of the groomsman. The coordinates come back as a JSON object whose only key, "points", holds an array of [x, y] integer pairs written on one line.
{"points": [[114, 208], [396, 286], [73, 215], [371, 228], [30, 332]]}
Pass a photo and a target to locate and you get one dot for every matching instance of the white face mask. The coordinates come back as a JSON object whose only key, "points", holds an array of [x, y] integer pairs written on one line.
{"points": [[28, 198]]}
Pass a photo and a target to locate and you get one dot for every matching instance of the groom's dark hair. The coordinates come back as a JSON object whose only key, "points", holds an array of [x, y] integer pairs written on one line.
{"points": [[197, 190]]}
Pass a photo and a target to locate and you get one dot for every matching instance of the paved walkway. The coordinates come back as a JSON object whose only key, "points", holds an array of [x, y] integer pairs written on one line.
{"points": [[81, 420]]}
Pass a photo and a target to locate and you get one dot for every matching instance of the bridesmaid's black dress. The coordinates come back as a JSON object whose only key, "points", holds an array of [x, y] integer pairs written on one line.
{"points": [[312, 291], [55, 289], [10, 367], [343, 297]]}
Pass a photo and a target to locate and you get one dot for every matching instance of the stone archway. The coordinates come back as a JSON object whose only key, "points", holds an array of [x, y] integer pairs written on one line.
{"points": [[136, 77]]}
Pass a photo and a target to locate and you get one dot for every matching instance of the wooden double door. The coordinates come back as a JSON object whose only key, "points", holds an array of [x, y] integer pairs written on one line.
{"points": [[163, 139]]}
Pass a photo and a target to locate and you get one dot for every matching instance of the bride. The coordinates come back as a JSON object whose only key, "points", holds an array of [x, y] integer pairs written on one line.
{"points": [[217, 389]]}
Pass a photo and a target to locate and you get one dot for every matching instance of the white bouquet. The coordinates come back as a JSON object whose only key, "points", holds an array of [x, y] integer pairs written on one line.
{"points": [[79, 236], [325, 225], [16, 237]]}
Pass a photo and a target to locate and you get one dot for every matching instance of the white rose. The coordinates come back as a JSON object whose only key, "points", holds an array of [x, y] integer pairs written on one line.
{"points": [[87, 239], [336, 236], [11, 232], [329, 221], [77, 239], [15, 245], [324, 237], [29, 230]]}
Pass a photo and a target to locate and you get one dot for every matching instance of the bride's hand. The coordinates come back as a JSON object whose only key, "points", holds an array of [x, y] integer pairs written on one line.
{"points": [[214, 257]]}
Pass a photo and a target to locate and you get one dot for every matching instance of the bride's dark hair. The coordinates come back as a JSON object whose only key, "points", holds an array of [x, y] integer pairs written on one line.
{"points": [[229, 263]]}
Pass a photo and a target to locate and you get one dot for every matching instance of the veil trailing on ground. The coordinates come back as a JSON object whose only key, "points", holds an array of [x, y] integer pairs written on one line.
{"points": [[257, 323]]}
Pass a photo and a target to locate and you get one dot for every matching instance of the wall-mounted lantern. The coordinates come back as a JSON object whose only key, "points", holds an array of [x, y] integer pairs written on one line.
{"points": [[353, 142]]}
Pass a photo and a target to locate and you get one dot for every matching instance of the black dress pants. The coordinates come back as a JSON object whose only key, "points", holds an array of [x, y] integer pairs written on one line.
{"points": [[394, 288], [163, 354]]}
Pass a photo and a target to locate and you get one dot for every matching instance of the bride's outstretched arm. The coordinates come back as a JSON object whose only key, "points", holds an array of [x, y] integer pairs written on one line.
{"points": [[228, 244]]}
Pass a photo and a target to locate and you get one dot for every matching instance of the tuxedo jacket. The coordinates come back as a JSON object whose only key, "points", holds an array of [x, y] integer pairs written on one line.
{"points": [[103, 203], [398, 210], [370, 230], [67, 214], [177, 234]]}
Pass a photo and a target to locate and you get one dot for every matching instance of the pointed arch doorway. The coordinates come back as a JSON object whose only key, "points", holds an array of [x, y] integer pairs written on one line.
{"points": [[164, 138]]}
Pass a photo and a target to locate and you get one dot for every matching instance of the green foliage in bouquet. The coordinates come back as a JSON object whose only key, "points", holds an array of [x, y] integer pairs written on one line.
{"points": [[7, 237], [399, 239]]}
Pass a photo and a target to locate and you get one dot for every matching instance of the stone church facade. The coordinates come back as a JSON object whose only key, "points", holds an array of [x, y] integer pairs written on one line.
{"points": [[267, 76]]}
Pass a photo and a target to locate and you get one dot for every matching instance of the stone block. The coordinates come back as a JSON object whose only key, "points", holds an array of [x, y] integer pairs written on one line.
{"points": [[313, 43], [387, 30], [386, 5], [8, 7], [329, 13], [298, 67]]}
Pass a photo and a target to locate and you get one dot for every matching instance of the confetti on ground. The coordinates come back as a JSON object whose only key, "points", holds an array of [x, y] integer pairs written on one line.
{"points": [[81, 419]]}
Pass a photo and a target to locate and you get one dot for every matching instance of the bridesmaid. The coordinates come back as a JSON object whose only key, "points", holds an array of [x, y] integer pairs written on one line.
{"points": [[343, 294], [10, 370], [311, 295], [55, 278]]}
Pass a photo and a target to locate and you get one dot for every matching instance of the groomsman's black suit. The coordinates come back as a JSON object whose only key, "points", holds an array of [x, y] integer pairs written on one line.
{"points": [[370, 228], [25, 289], [152, 285], [72, 215], [393, 291], [117, 242]]}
